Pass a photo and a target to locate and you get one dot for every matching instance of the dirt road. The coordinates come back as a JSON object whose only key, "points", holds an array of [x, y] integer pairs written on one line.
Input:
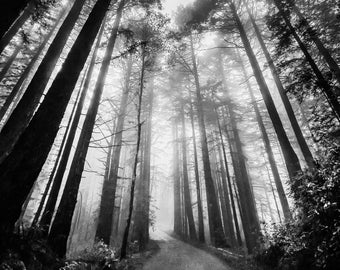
{"points": [[177, 255]]}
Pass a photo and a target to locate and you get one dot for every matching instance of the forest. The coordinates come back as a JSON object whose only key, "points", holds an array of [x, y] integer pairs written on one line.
{"points": [[170, 134]]}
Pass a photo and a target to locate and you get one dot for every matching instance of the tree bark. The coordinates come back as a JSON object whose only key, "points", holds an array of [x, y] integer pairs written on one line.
{"points": [[60, 228], [22, 114], [216, 229], [288, 107], [21, 168]]}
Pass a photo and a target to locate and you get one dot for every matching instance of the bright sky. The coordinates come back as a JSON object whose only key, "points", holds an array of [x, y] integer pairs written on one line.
{"points": [[171, 5]]}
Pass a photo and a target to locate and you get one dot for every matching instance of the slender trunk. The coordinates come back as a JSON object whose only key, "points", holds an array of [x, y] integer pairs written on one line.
{"points": [[135, 164], [61, 226], [22, 114], [322, 82], [20, 21], [176, 181], [291, 159], [238, 234], [269, 150], [15, 91], [286, 103], [21, 168], [47, 215], [187, 196], [216, 229], [106, 209], [201, 236]]}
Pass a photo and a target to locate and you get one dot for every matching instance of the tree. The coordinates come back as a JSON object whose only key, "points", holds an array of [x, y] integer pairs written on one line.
{"points": [[62, 222], [19, 169]]}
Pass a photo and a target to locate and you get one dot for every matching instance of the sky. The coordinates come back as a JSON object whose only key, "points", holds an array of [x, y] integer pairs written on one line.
{"points": [[171, 5]]}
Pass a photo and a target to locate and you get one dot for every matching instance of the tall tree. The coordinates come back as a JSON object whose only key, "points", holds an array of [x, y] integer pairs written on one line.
{"points": [[47, 215], [21, 168], [109, 187], [187, 195], [216, 229], [288, 107], [60, 228], [291, 159]]}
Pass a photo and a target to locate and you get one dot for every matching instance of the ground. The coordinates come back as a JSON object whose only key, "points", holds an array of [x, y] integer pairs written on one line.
{"points": [[177, 255]]}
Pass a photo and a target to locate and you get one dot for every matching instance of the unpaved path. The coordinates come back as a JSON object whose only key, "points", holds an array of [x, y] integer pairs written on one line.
{"points": [[177, 255]]}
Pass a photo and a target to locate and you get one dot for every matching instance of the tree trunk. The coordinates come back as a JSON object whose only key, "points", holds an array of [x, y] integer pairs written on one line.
{"points": [[291, 159], [106, 209], [56, 162], [21, 168], [22, 114], [135, 164], [10, 60], [288, 107], [142, 209], [60, 228], [216, 229], [322, 82], [269, 151], [29, 68], [176, 181], [47, 215], [201, 236], [10, 11], [238, 234], [7, 37], [187, 196]]}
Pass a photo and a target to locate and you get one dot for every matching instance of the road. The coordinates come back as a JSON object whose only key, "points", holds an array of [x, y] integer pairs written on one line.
{"points": [[177, 255]]}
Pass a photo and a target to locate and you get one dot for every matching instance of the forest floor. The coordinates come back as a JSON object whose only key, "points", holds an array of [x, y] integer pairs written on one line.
{"points": [[175, 254]]}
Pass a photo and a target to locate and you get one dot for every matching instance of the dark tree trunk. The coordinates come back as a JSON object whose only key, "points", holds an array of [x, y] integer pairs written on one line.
{"points": [[56, 162], [21, 168], [187, 196], [60, 228], [20, 21], [106, 209], [135, 164], [291, 159], [322, 82], [288, 107], [176, 180], [58, 178], [201, 236], [28, 69], [22, 114], [10, 11], [216, 229], [269, 151]]}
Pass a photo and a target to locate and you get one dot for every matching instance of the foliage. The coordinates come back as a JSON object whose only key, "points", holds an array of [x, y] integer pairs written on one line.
{"points": [[312, 239]]}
